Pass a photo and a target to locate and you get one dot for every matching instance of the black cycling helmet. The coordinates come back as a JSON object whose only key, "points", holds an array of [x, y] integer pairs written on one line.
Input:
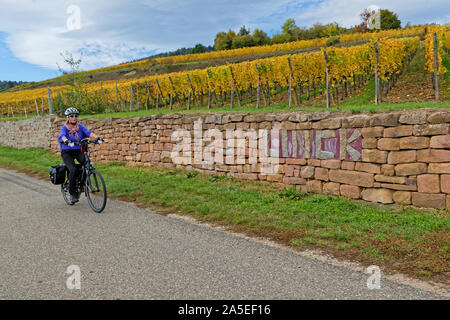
{"points": [[71, 111]]}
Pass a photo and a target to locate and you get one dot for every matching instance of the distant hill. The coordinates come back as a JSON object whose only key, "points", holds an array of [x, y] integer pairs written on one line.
{"points": [[5, 85]]}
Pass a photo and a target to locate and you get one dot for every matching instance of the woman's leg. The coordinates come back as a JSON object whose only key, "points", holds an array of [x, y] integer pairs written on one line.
{"points": [[81, 158], [69, 160]]}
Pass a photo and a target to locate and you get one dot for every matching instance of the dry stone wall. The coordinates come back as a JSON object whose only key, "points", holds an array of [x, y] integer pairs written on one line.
{"points": [[393, 157], [27, 133]]}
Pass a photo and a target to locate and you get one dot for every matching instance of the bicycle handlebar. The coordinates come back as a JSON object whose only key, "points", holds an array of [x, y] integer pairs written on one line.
{"points": [[76, 143]]}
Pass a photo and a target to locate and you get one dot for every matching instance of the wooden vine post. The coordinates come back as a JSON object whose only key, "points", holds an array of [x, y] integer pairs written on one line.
{"points": [[172, 90], [158, 94], [258, 88], [50, 109], [290, 82], [209, 90], [377, 81], [131, 96], [237, 90], [147, 92], [117, 97], [137, 95], [191, 89], [327, 82], [436, 66]]}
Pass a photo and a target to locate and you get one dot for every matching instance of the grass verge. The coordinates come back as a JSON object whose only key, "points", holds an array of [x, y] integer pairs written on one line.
{"points": [[407, 240]]}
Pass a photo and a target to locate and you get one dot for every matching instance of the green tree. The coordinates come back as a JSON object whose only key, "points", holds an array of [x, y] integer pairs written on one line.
{"points": [[199, 48], [242, 41], [288, 27], [260, 37], [280, 38], [389, 20], [224, 41], [243, 31]]}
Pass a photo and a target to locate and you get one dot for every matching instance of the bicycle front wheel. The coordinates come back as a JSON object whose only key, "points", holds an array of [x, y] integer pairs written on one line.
{"points": [[96, 191]]}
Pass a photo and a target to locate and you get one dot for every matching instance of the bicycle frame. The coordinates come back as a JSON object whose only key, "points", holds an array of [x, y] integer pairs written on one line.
{"points": [[87, 167]]}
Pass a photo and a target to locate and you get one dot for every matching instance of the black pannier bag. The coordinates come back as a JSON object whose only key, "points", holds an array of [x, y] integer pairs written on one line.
{"points": [[58, 174]]}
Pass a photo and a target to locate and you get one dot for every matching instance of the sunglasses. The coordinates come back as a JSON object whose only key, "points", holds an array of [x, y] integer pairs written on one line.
{"points": [[73, 116]]}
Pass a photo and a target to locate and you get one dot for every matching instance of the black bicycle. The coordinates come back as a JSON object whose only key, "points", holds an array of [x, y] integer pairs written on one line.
{"points": [[88, 180]]}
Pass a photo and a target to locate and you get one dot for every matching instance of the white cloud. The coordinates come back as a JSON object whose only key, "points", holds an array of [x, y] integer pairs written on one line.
{"points": [[116, 31]]}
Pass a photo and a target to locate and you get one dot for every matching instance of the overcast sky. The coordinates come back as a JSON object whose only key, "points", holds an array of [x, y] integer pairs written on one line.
{"points": [[33, 33]]}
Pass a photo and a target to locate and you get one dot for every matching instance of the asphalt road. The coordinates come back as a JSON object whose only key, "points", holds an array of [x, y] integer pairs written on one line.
{"points": [[133, 253]]}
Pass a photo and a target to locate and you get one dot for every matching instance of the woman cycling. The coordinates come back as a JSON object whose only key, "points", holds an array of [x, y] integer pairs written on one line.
{"points": [[73, 131]]}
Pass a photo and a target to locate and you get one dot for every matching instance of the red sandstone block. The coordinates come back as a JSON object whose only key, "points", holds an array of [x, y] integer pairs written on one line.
{"points": [[395, 157], [378, 195], [410, 169], [314, 162], [402, 197], [431, 129], [400, 131], [275, 177], [289, 170], [440, 142], [314, 186], [331, 188], [330, 164], [348, 165], [429, 200], [369, 143], [321, 174], [414, 142], [388, 144], [143, 148], [428, 183], [368, 167], [387, 169], [433, 155], [300, 162], [439, 168], [307, 172], [374, 155], [353, 192], [294, 181], [372, 132], [445, 183], [357, 178], [400, 187]]}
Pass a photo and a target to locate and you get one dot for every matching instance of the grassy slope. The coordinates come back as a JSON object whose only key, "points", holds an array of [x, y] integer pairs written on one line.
{"points": [[411, 241]]}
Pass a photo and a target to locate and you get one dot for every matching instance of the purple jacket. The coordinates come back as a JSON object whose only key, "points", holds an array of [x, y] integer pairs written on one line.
{"points": [[82, 133]]}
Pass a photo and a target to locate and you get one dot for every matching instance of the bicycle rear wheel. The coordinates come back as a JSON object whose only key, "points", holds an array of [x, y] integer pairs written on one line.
{"points": [[96, 191]]}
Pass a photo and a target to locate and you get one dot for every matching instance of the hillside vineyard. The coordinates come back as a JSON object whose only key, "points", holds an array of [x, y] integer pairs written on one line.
{"points": [[305, 70]]}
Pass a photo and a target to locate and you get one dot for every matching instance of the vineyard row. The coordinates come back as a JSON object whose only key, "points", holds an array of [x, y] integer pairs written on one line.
{"points": [[344, 67]]}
